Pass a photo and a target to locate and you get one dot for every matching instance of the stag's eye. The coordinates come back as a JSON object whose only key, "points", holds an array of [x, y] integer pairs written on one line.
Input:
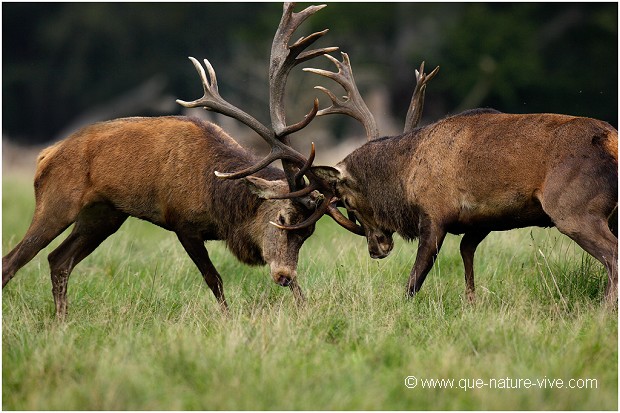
{"points": [[347, 204], [281, 219]]}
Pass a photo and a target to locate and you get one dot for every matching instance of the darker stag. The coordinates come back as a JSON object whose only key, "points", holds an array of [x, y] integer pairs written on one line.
{"points": [[164, 170], [477, 172]]}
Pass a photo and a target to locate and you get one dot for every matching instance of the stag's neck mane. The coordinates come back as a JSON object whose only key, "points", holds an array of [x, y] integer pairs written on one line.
{"points": [[241, 224], [239, 221], [385, 187]]}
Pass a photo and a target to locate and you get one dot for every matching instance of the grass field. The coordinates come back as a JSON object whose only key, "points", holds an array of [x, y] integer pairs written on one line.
{"points": [[144, 331]]}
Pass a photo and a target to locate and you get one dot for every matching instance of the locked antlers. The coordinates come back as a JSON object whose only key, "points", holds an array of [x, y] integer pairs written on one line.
{"points": [[284, 57]]}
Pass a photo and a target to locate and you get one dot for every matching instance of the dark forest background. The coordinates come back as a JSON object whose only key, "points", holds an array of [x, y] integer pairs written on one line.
{"points": [[66, 64]]}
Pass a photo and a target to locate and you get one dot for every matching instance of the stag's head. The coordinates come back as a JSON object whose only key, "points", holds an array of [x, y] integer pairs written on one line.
{"points": [[292, 206], [279, 247], [356, 200], [352, 194]]}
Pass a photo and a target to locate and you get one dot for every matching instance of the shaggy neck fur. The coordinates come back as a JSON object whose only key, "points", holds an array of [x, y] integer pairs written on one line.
{"points": [[240, 214], [384, 187]]}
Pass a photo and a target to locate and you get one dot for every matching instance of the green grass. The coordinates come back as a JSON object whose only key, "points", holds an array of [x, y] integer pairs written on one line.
{"points": [[144, 331]]}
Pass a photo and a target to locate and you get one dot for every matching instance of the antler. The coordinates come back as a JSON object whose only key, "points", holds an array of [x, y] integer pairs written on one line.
{"points": [[352, 105], [284, 58], [414, 114], [211, 100]]}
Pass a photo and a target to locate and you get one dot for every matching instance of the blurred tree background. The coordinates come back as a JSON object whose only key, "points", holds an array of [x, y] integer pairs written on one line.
{"points": [[66, 64]]}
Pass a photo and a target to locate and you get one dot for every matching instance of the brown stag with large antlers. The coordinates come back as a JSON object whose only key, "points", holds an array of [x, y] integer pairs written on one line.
{"points": [[477, 172], [165, 170]]}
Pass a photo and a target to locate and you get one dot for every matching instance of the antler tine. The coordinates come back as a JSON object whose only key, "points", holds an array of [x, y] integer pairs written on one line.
{"points": [[211, 100], [285, 56], [343, 221], [209, 87], [300, 174], [414, 114], [288, 130], [352, 105], [298, 180], [312, 219], [275, 154], [306, 41]]}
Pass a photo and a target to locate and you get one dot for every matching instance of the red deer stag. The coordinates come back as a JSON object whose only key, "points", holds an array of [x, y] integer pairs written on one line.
{"points": [[164, 170], [477, 172]]}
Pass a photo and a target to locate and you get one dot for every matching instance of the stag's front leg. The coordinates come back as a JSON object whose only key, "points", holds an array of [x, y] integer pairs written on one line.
{"points": [[469, 243], [195, 248], [431, 238]]}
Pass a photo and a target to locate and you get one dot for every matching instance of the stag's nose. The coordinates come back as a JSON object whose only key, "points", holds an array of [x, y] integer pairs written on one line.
{"points": [[379, 254], [283, 280], [282, 276], [380, 246]]}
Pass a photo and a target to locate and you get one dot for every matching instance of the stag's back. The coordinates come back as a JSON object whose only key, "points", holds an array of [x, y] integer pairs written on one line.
{"points": [[482, 166], [151, 168], [496, 156]]}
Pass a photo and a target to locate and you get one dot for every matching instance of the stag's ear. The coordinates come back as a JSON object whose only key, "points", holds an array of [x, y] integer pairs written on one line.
{"points": [[265, 189], [331, 174]]}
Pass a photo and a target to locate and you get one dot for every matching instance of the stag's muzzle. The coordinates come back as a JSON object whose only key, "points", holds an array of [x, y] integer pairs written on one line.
{"points": [[282, 276], [379, 245]]}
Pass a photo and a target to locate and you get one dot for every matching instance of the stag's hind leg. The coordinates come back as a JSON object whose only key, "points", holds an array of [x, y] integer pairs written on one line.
{"points": [[594, 236], [580, 208], [43, 229], [94, 224]]}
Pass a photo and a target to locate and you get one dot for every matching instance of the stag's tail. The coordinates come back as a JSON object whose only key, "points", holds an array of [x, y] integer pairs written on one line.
{"points": [[608, 143]]}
